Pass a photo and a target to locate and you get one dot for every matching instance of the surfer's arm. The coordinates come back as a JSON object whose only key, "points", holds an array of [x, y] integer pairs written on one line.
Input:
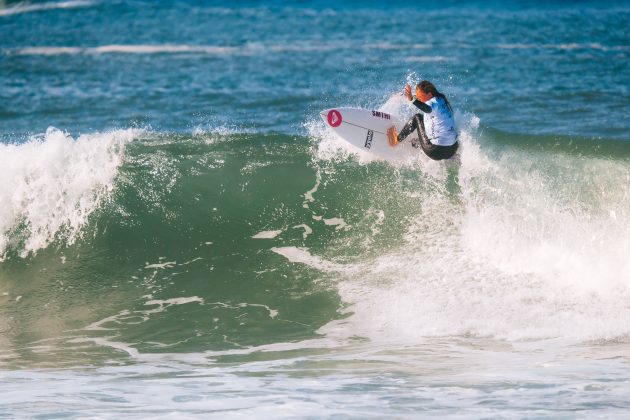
{"points": [[421, 105]]}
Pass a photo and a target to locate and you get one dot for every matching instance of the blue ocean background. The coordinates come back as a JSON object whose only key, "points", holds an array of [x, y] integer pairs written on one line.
{"points": [[181, 235]]}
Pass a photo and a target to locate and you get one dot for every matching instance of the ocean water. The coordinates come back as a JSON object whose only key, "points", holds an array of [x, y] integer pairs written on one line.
{"points": [[181, 236]]}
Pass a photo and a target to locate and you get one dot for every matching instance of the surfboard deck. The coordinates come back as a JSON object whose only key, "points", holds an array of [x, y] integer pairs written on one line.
{"points": [[366, 130]]}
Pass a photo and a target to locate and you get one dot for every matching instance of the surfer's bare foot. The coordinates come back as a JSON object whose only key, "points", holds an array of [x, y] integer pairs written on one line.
{"points": [[392, 136]]}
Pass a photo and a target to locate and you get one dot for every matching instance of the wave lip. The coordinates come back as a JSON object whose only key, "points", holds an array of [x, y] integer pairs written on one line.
{"points": [[53, 184]]}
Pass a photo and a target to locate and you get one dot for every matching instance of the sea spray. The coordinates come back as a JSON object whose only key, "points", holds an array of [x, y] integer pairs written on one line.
{"points": [[532, 248], [53, 183]]}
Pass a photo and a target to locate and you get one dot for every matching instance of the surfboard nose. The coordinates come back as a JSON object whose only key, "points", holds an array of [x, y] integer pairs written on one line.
{"points": [[324, 114]]}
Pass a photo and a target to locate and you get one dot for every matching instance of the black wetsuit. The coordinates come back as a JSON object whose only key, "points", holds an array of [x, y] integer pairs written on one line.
{"points": [[433, 151]]}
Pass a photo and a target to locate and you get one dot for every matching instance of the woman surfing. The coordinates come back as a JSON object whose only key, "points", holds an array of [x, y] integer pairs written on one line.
{"points": [[438, 138]]}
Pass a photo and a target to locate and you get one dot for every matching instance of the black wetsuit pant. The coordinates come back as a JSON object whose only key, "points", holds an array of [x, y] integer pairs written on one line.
{"points": [[433, 151]]}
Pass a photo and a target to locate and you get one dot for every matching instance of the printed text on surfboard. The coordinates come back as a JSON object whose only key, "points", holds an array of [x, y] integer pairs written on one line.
{"points": [[381, 114], [368, 139]]}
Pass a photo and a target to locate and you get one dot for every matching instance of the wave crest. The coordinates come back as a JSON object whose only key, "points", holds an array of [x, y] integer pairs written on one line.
{"points": [[53, 183]]}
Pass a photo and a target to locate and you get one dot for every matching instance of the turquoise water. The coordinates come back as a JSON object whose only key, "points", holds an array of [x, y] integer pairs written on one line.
{"points": [[181, 235]]}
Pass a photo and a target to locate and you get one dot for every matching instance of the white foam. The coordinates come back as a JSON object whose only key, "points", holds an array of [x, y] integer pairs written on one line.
{"points": [[127, 316], [272, 312], [329, 147], [161, 266], [303, 256], [259, 48], [267, 234], [571, 46], [308, 196], [427, 58], [307, 229], [216, 50], [160, 49], [20, 8], [535, 246], [98, 325], [338, 222], [175, 301], [53, 183], [129, 49], [191, 261], [49, 50]]}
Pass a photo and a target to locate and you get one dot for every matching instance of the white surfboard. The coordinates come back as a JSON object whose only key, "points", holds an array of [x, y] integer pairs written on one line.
{"points": [[366, 130]]}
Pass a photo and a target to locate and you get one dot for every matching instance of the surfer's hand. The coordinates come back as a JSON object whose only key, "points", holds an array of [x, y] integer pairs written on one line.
{"points": [[392, 136], [408, 92]]}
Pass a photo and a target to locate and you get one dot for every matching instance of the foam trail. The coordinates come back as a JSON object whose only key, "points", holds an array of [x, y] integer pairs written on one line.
{"points": [[267, 234], [54, 183], [303, 256]]}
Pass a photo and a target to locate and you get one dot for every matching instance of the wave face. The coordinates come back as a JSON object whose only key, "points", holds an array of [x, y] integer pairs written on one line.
{"points": [[175, 217], [511, 242], [287, 255]]}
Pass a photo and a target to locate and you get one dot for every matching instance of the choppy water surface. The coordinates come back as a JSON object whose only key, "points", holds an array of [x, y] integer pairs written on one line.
{"points": [[180, 234]]}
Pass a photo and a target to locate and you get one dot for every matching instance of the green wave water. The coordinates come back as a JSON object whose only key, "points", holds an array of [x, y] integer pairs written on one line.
{"points": [[253, 232], [227, 257]]}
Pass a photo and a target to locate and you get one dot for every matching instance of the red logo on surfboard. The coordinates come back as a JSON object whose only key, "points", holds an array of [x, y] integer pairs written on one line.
{"points": [[334, 118]]}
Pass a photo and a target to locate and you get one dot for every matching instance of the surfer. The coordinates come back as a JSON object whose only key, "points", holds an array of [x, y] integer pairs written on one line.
{"points": [[438, 138]]}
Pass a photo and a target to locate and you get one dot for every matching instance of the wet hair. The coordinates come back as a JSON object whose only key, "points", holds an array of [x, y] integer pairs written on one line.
{"points": [[428, 87]]}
